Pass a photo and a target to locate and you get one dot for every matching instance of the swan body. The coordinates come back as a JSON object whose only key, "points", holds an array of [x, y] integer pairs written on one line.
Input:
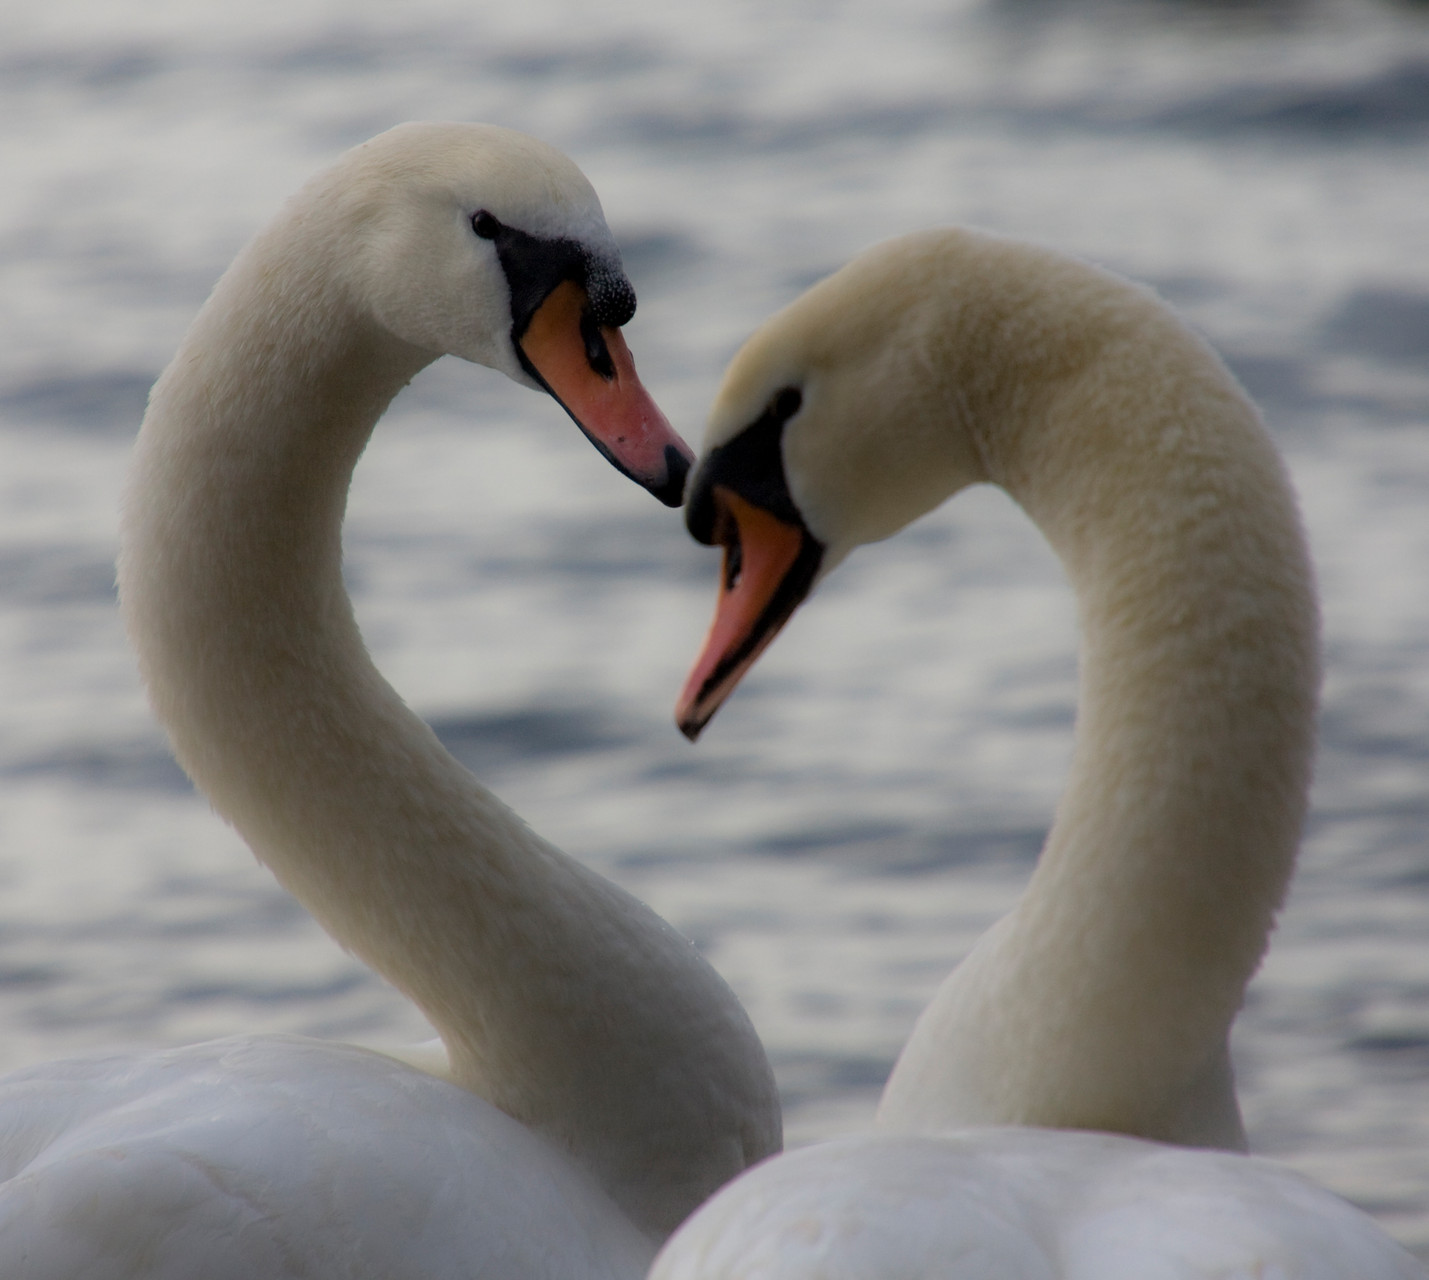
{"points": [[598, 1080], [1103, 1001], [264, 1156], [1026, 1204]]}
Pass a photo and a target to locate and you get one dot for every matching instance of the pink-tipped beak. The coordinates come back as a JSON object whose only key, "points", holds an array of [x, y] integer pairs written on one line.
{"points": [[608, 403], [768, 569]]}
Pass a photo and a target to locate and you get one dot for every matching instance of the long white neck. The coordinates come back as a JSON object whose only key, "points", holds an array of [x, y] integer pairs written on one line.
{"points": [[560, 998], [1104, 999]]}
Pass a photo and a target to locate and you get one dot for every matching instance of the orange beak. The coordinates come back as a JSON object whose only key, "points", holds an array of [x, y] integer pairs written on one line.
{"points": [[589, 370], [769, 567]]}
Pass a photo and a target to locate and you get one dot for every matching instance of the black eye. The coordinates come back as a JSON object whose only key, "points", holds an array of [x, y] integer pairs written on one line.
{"points": [[485, 225], [786, 404]]}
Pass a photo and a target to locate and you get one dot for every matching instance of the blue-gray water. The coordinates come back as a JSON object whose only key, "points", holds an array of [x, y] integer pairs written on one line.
{"points": [[878, 788]]}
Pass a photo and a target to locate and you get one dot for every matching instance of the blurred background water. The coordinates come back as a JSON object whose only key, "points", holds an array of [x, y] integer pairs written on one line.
{"points": [[877, 791]]}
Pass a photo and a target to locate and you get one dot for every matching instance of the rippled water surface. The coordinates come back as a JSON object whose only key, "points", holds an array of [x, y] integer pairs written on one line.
{"points": [[877, 791]]}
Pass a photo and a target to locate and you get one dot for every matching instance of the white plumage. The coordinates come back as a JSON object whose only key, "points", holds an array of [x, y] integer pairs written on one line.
{"points": [[1104, 1000], [599, 1080], [1026, 1204], [276, 1156]]}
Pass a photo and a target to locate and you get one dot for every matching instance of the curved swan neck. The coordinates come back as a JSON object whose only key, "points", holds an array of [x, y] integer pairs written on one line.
{"points": [[231, 555], [1104, 999], [559, 997]]}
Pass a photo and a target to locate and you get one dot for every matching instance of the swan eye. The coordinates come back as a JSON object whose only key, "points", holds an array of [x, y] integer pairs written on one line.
{"points": [[485, 225], [786, 404]]}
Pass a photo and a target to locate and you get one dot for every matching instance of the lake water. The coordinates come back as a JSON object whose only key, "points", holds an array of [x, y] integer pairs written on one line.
{"points": [[877, 791]]}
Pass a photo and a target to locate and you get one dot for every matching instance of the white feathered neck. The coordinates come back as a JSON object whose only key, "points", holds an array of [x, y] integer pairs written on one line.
{"points": [[949, 358]]}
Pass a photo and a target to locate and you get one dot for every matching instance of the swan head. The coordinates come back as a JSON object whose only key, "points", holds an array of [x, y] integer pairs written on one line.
{"points": [[480, 242], [831, 429]]}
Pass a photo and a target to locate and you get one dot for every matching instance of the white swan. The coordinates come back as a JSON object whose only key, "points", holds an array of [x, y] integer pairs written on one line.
{"points": [[1103, 1000], [603, 1080]]}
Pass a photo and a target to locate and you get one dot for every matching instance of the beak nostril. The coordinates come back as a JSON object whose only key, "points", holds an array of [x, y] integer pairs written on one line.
{"points": [[590, 372], [733, 563], [597, 353]]}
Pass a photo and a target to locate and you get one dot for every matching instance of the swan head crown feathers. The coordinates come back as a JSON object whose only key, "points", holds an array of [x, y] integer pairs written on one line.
{"points": [[414, 205], [831, 429], [480, 242]]}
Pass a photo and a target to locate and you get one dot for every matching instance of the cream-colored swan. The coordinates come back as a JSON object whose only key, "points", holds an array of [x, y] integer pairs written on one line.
{"points": [[602, 1079], [1103, 1000]]}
